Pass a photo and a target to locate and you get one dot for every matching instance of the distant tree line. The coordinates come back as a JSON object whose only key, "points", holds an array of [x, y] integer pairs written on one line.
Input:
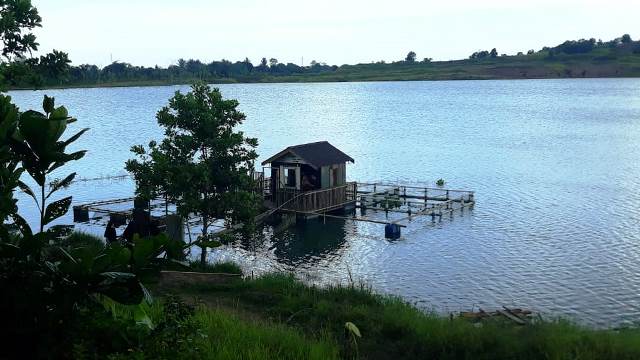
{"points": [[583, 46], [569, 47], [484, 54], [54, 69]]}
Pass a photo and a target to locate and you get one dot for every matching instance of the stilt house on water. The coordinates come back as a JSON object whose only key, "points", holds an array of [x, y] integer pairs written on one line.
{"points": [[310, 178]]}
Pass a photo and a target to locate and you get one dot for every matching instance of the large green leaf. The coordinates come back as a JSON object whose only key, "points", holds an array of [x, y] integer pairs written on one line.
{"points": [[22, 225], [76, 155], [31, 246], [352, 328], [56, 128], [34, 129], [56, 209], [27, 190], [141, 318], [101, 263], [75, 137], [48, 104], [143, 250], [118, 255], [121, 287], [60, 113], [56, 185]]}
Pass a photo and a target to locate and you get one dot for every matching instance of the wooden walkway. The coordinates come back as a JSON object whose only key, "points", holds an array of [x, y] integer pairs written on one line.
{"points": [[412, 200], [407, 201]]}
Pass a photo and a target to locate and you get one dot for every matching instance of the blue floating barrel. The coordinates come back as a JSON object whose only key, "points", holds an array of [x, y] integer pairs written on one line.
{"points": [[392, 231]]}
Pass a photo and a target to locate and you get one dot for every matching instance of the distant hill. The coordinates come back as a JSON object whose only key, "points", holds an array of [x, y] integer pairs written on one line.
{"points": [[572, 59]]}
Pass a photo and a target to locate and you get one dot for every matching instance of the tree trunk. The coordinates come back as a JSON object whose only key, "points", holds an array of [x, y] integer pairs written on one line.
{"points": [[42, 208], [203, 249]]}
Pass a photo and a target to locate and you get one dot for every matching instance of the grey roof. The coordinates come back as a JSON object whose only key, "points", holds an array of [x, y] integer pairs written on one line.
{"points": [[317, 154]]}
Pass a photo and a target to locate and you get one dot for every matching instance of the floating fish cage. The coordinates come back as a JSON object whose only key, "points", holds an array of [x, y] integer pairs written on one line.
{"points": [[309, 181]]}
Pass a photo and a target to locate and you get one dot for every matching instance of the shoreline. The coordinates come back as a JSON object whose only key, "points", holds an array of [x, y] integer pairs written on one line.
{"points": [[288, 80]]}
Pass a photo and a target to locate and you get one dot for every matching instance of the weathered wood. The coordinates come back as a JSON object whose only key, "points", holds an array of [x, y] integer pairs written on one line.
{"points": [[344, 217], [512, 317], [315, 200]]}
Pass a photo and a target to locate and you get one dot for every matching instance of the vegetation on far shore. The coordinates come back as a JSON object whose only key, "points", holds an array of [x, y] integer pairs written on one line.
{"points": [[583, 58]]}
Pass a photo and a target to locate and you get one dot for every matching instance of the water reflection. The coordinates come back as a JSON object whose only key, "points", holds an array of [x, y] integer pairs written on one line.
{"points": [[309, 242]]}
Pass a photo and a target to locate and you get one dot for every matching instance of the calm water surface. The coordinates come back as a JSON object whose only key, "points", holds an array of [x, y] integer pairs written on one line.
{"points": [[554, 163]]}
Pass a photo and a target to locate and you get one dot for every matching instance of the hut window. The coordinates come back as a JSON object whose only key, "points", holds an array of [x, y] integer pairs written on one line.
{"points": [[290, 177]]}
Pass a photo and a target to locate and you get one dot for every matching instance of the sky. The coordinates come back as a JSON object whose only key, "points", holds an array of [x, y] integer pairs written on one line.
{"points": [[159, 32]]}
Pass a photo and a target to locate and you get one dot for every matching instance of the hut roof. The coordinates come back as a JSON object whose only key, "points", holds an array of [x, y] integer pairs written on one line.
{"points": [[317, 154]]}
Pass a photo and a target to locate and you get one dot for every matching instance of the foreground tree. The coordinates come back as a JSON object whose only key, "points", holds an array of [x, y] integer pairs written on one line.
{"points": [[10, 171], [202, 164], [18, 19], [39, 147], [49, 281]]}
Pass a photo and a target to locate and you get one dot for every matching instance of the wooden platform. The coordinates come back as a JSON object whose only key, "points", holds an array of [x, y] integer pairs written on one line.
{"points": [[392, 199]]}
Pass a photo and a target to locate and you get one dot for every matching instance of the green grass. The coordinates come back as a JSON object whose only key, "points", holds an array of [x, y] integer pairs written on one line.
{"points": [[78, 239], [226, 267], [276, 316], [394, 329], [230, 337], [208, 334]]}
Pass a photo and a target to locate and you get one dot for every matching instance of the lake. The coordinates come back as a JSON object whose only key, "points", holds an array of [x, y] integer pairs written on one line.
{"points": [[555, 165]]}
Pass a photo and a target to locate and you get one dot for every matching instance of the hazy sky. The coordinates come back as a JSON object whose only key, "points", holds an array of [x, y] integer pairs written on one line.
{"points": [[150, 32]]}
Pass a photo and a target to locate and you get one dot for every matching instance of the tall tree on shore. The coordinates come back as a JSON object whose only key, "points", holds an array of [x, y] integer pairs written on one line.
{"points": [[205, 165], [625, 39], [55, 66], [411, 57]]}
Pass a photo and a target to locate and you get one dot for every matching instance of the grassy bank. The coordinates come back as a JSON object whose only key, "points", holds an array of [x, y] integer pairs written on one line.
{"points": [[278, 317], [391, 328]]}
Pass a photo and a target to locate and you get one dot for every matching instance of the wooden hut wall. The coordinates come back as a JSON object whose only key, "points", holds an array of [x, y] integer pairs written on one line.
{"points": [[341, 176]]}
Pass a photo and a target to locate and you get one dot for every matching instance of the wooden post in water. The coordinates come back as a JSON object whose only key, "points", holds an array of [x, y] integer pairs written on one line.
{"points": [[426, 197]]}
